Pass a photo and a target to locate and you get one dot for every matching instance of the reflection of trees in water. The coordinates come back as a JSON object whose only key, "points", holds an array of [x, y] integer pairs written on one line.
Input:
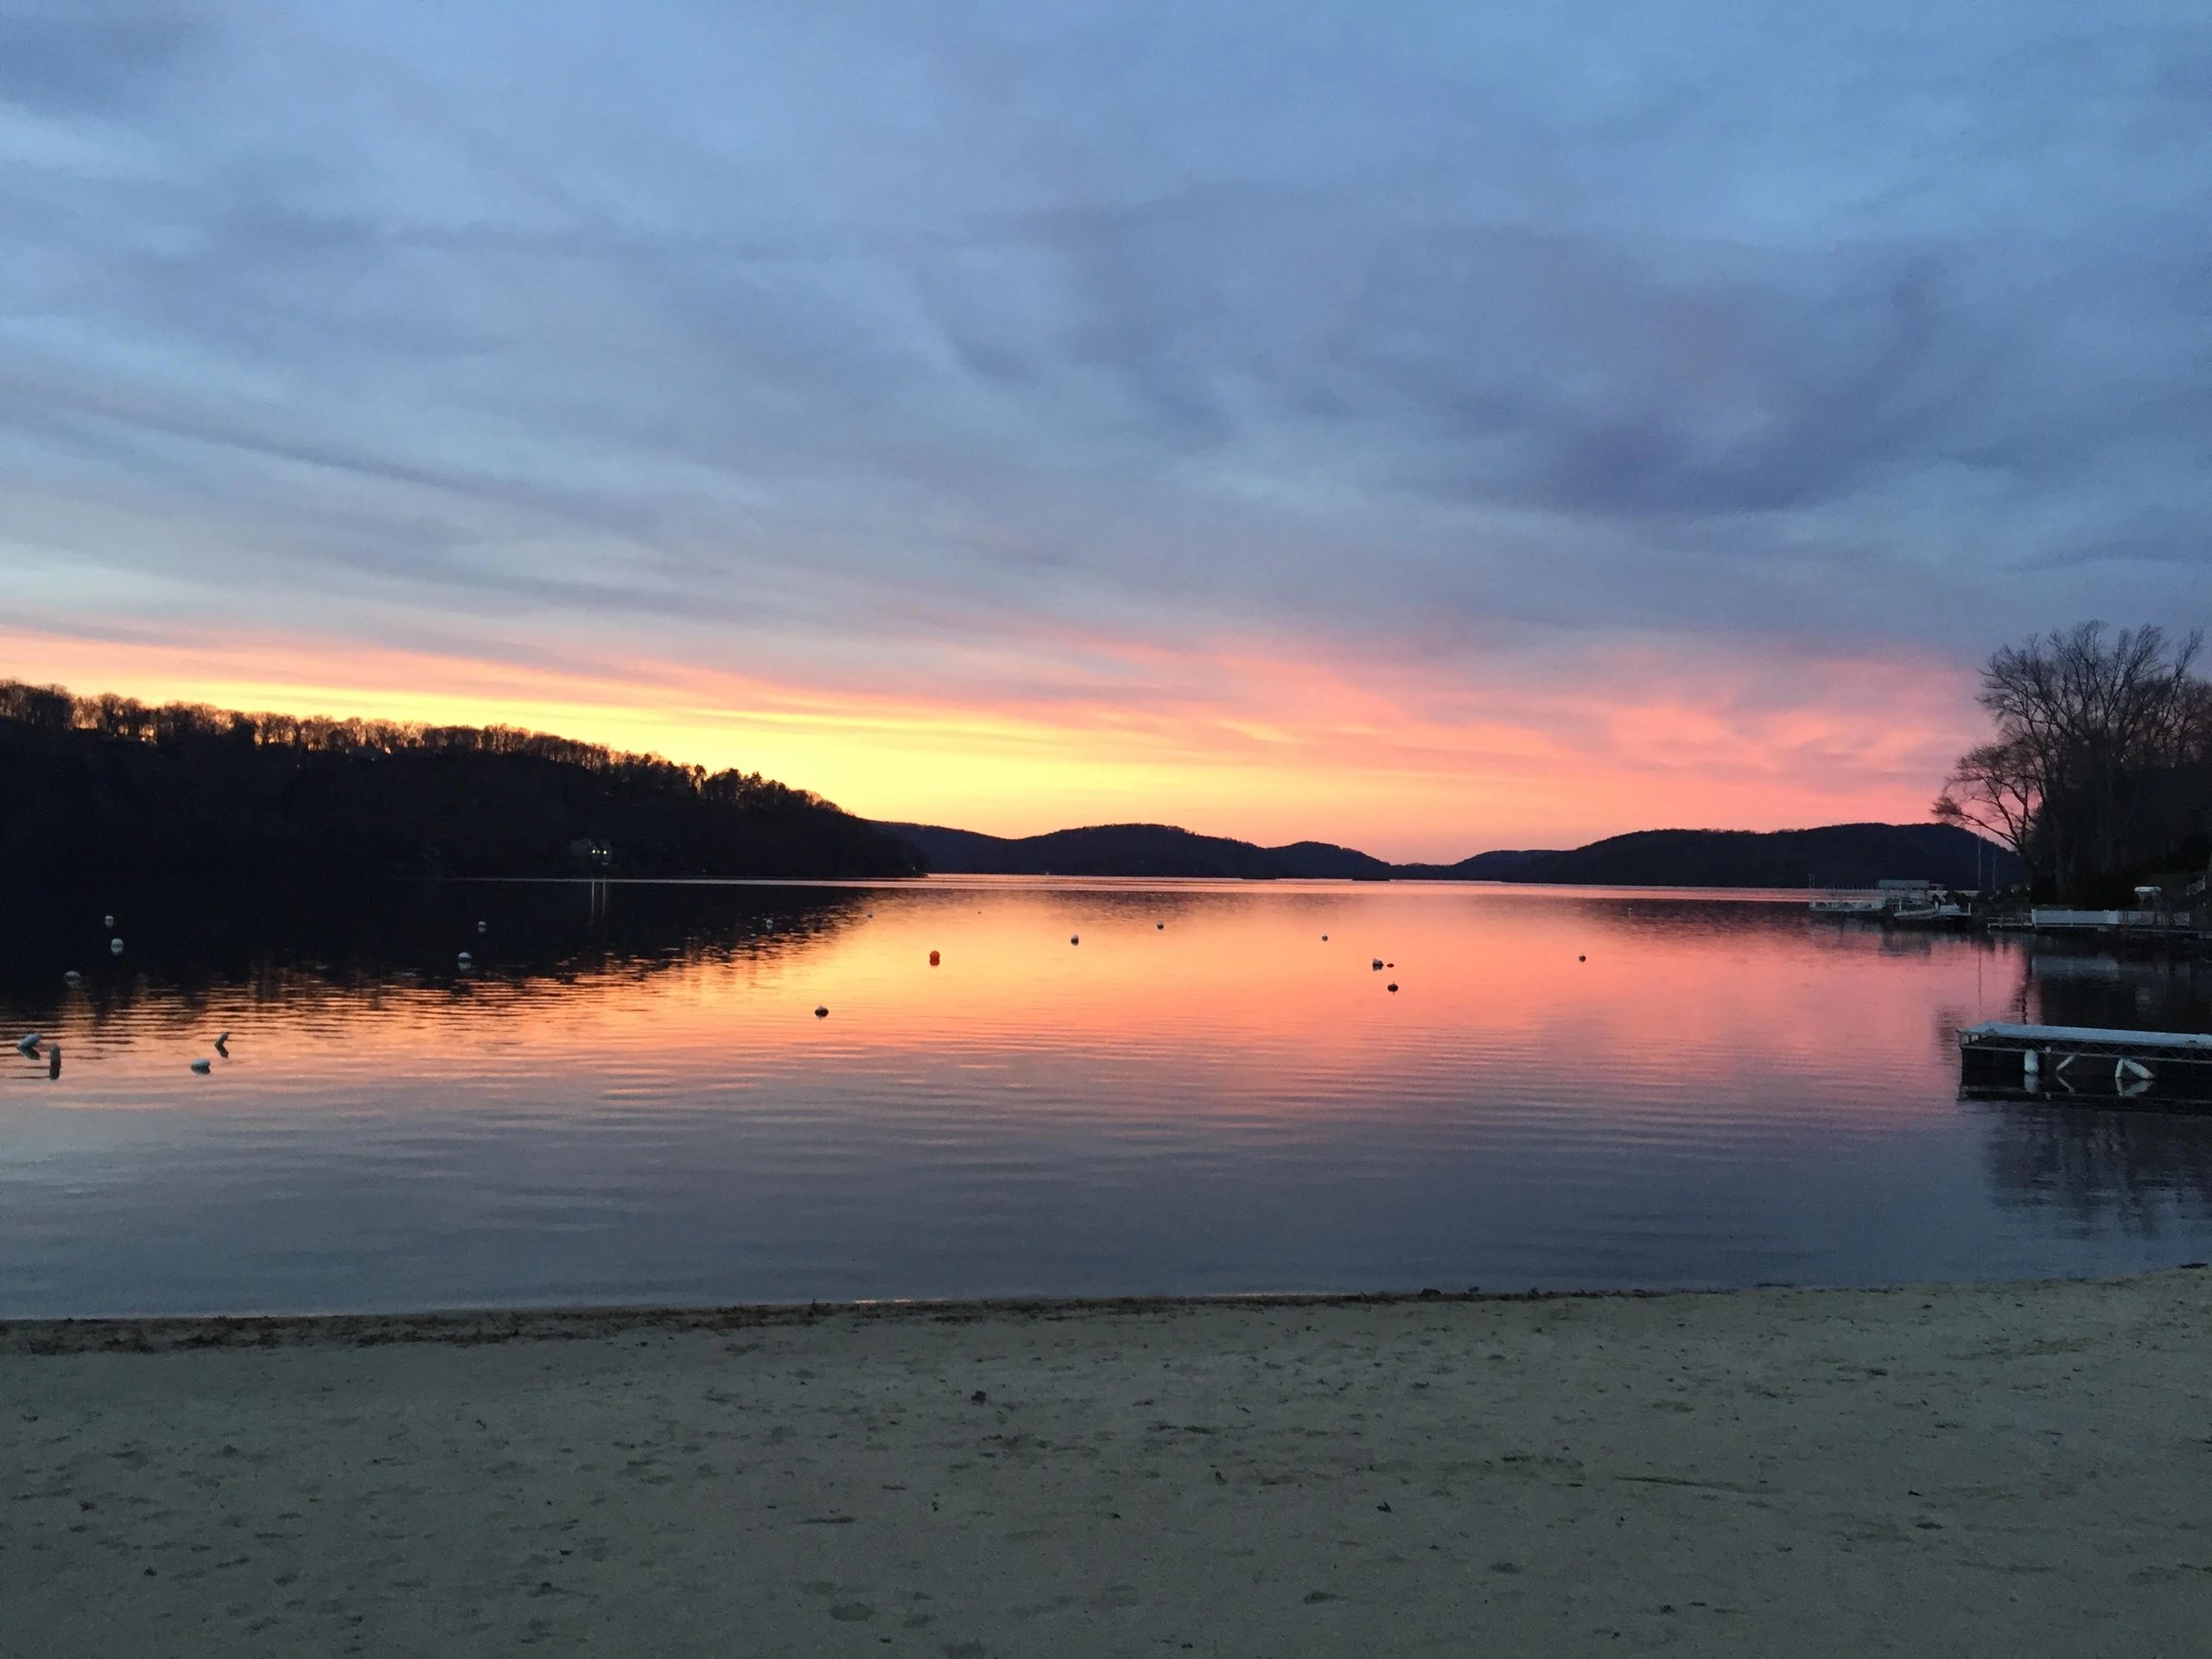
{"points": [[310, 946], [2105, 1168], [2087, 987], [1714, 916]]}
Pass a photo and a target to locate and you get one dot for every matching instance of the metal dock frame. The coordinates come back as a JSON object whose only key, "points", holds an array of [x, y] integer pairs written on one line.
{"points": [[2059, 1062]]}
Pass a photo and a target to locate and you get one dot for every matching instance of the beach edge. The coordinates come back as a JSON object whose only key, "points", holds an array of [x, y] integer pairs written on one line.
{"points": [[37, 1338]]}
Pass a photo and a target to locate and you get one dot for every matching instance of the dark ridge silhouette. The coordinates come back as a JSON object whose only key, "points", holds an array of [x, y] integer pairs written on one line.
{"points": [[1101, 850], [1834, 855], [1837, 856], [1322, 860], [92, 787], [1136, 849], [1483, 867], [97, 787]]}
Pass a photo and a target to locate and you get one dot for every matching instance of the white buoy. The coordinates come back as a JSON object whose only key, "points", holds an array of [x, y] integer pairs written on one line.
{"points": [[27, 1044], [107, 922], [465, 958], [203, 1065], [483, 927], [73, 978], [115, 947]]}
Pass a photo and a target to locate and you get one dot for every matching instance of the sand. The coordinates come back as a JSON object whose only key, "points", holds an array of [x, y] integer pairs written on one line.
{"points": [[2014, 1469]]}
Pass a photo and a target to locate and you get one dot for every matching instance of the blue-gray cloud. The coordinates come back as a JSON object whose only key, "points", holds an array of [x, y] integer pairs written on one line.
{"points": [[74, 59], [825, 333]]}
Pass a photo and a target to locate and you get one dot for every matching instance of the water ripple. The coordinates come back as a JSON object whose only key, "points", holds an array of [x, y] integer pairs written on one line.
{"points": [[629, 1096]]}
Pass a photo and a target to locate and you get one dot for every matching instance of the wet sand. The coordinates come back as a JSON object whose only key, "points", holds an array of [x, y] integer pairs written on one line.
{"points": [[2016, 1470]]}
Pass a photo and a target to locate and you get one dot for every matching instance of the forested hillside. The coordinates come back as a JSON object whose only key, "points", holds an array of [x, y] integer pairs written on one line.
{"points": [[104, 787]]}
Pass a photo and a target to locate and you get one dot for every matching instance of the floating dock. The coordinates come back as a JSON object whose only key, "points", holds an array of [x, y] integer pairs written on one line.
{"points": [[2152, 1068]]}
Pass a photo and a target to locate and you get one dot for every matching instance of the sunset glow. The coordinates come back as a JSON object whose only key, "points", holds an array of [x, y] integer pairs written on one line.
{"points": [[1377, 449], [1411, 764], [1232, 999]]}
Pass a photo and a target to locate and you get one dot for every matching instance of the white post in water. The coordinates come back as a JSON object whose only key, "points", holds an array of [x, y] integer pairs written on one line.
{"points": [[2030, 1067]]}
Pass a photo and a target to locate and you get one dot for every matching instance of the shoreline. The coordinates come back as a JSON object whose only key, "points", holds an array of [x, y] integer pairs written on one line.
{"points": [[1995, 1467], [49, 1337], [52, 1337]]}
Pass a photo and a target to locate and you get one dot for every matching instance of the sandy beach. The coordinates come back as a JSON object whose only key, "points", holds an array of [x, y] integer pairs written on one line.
{"points": [[2017, 1470]]}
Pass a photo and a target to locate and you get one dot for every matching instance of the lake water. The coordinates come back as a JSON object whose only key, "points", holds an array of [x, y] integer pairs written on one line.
{"points": [[629, 1096]]}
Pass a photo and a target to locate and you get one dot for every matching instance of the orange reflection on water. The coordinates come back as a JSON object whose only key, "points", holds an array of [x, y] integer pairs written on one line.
{"points": [[628, 1096], [1212, 997]]}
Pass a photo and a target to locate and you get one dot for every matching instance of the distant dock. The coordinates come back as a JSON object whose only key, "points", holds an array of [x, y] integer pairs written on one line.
{"points": [[2137, 923], [1887, 901], [1919, 904], [2154, 1068]]}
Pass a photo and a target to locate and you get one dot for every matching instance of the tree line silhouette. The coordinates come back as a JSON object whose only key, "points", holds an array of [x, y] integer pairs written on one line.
{"points": [[2100, 769], [99, 787]]}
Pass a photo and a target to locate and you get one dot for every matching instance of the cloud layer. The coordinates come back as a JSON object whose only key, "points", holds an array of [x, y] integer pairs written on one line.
{"points": [[1328, 400]]}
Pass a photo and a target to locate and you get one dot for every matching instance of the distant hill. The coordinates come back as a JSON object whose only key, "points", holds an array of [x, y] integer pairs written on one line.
{"points": [[1325, 860], [1127, 849], [1483, 867], [1837, 856]]}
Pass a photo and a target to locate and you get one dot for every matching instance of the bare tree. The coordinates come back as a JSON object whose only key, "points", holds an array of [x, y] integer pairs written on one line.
{"points": [[1993, 791], [2083, 718]]}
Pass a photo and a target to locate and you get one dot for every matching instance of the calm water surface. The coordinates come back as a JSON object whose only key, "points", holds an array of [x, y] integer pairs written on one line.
{"points": [[629, 1098]]}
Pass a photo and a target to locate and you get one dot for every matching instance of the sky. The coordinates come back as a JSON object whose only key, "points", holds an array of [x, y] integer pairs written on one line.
{"points": [[1425, 427]]}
